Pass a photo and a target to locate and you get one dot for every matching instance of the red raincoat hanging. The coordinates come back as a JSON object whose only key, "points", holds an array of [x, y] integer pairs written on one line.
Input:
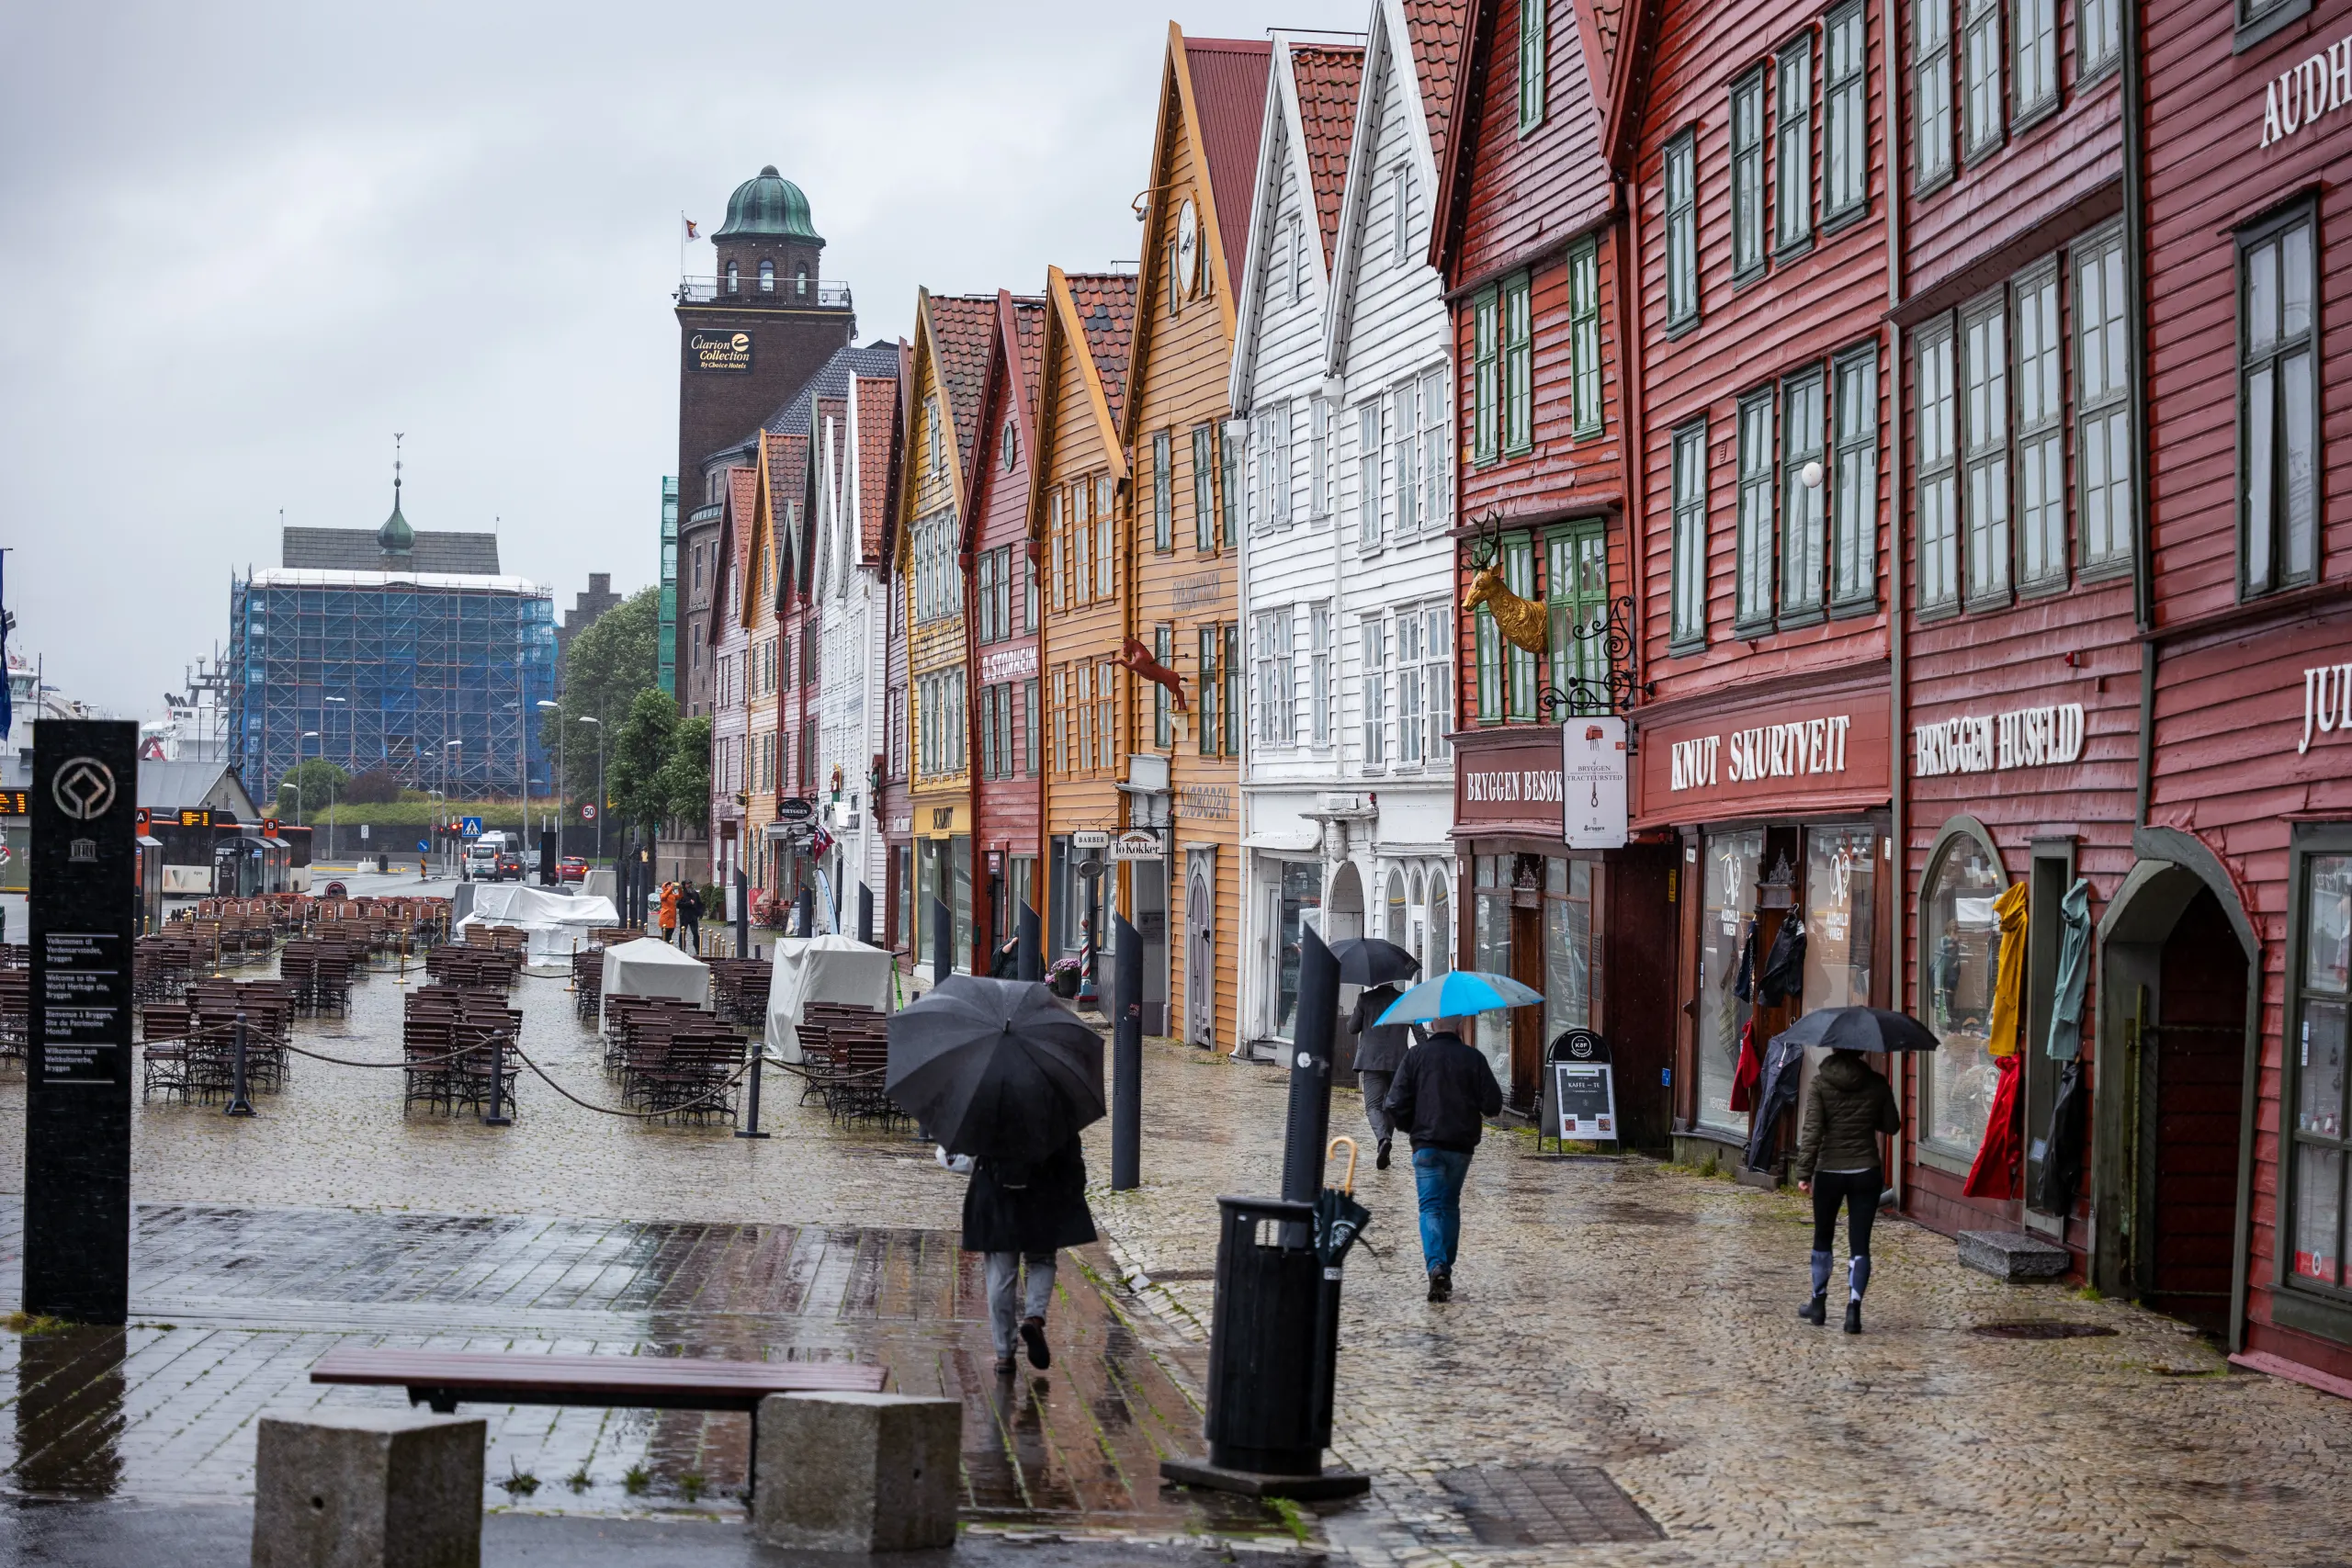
{"points": [[1995, 1174], [1750, 1068]]}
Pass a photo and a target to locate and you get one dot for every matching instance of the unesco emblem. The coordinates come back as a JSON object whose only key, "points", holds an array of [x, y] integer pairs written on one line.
{"points": [[83, 789]]}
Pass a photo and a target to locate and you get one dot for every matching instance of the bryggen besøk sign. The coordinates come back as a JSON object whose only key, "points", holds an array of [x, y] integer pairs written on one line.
{"points": [[2328, 702], [1512, 786], [1802, 747], [1985, 743], [2303, 93]]}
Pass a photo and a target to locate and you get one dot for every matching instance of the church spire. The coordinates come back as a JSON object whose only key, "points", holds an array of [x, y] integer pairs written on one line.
{"points": [[396, 537]]}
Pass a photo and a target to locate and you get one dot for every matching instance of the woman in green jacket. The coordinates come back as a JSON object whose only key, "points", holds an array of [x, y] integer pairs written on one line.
{"points": [[1838, 1161]]}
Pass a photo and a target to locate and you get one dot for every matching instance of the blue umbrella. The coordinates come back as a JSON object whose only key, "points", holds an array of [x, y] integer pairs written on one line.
{"points": [[1457, 995]]}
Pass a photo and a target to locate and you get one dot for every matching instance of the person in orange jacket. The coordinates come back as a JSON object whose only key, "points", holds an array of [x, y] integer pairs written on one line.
{"points": [[669, 911]]}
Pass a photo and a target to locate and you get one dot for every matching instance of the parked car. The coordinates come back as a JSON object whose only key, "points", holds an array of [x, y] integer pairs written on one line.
{"points": [[572, 868], [510, 867]]}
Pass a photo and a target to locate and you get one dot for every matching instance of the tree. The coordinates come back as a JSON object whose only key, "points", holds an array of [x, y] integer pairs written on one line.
{"points": [[377, 786], [604, 668], [311, 787], [634, 760], [685, 777]]}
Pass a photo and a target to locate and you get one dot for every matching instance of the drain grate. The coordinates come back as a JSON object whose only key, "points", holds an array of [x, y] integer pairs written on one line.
{"points": [[1550, 1504], [2044, 1330]]}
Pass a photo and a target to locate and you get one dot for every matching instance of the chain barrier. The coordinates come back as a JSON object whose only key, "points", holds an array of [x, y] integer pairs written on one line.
{"points": [[706, 1097]]}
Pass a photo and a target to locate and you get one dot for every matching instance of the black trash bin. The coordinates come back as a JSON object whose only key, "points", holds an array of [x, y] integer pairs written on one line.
{"points": [[1274, 1343]]}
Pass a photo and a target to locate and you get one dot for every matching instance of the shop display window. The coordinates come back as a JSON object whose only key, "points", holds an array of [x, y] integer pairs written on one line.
{"points": [[1490, 940], [1568, 947], [1960, 943], [1439, 959], [1840, 916], [1300, 909], [1731, 862], [2323, 1138]]}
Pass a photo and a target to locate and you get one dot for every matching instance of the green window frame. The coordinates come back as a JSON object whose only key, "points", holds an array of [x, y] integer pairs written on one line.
{"points": [[1507, 673], [1583, 329], [1845, 113], [1753, 553], [1534, 39], [1203, 485], [1235, 703], [1805, 508], [1792, 145], [1853, 501], [1485, 372], [1208, 689], [1748, 194], [1689, 631], [1575, 590], [1163, 491], [1681, 180], [1519, 368], [1163, 708]]}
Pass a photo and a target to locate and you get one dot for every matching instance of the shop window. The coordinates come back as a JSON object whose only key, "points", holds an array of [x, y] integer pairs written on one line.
{"points": [[2318, 1087], [1689, 630], [1397, 914], [1439, 959], [1747, 190], [1793, 146], [1576, 578], [2278, 404], [1840, 916], [1752, 578], [1681, 231], [1845, 115], [1961, 939], [1299, 908], [1567, 946], [1490, 950], [2103, 446], [1727, 912]]}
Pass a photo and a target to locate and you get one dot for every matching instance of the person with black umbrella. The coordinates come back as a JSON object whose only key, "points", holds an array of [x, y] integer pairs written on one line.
{"points": [[1019, 1217], [1379, 1051], [1838, 1160]]}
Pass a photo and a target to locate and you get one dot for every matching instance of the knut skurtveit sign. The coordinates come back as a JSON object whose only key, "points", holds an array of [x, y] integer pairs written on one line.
{"points": [[77, 1098]]}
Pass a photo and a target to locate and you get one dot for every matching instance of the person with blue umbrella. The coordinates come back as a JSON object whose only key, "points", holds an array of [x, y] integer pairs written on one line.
{"points": [[1442, 1097]]}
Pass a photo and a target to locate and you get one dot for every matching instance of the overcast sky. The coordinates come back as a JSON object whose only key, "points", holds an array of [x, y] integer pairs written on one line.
{"points": [[242, 244]]}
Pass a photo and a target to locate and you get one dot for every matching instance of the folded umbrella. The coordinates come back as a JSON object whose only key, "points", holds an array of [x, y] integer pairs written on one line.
{"points": [[1860, 1029], [996, 1068], [1370, 961], [1457, 995]]}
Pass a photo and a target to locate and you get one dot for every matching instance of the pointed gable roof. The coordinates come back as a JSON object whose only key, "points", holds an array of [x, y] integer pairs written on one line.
{"points": [[1223, 84], [1617, 37], [877, 400], [1102, 306], [1439, 31], [734, 548], [1009, 378], [1029, 339], [962, 328], [1328, 78], [784, 477]]}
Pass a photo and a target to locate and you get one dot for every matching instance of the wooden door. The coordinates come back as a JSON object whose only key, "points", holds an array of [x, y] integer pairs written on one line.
{"points": [[2199, 1049], [1200, 950]]}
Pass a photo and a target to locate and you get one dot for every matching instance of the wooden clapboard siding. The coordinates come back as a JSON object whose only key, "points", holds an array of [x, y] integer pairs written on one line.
{"points": [[756, 590], [1176, 379]]}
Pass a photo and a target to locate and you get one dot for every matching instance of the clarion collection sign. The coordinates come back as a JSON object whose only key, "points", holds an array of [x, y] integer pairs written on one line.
{"points": [[719, 349]]}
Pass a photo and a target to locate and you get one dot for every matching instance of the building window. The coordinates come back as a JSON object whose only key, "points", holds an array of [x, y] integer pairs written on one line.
{"points": [[2041, 434], [1375, 691], [1534, 37], [1318, 659], [2103, 447], [1792, 145], [935, 434], [1486, 366], [1368, 459], [1583, 329], [1083, 539], [1229, 476], [1937, 504], [1801, 506], [1278, 428], [1209, 691], [2279, 406], [2034, 38], [1984, 451], [1844, 127], [1105, 546], [985, 600], [1519, 368], [1437, 678], [2098, 37], [1061, 719], [1405, 445], [1752, 578], [1233, 699], [1748, 200], [1319, 458], [1959, 941], [1981, 75], [1204, 487], [1690, 535], [734, 279], [1007, 446], [1295, 251], [1576, 583], [1175, 289], [1853, 508], [1437, 466], [1107, 722], [2317, 1209], [1163, 492], [1411, 739], [1029, 725], [1681, 232], [1271, 631], [767, 277], [1163, 701], [1059, 535], [800, 281], [1400, 206]]}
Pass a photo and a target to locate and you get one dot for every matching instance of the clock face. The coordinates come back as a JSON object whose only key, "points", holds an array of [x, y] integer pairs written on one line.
{"points": [[1187, 245]]}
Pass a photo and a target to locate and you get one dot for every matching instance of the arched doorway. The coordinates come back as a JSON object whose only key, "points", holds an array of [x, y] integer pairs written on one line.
{"points": [[1343, 905], [2178, 1034]]}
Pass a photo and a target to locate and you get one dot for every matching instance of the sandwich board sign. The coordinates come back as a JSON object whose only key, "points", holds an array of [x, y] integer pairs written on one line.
{"points": [[1584, 1087]]}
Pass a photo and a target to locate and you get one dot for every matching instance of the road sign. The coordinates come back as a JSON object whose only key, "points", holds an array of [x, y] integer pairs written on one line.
{"points": [[1136, 843], [1091, 839], [470, 827], [793, 809], [423, 848], [588, 812]]}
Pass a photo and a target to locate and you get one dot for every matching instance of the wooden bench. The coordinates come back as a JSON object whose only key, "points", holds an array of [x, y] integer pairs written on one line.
{"points": [[440, 1379]]}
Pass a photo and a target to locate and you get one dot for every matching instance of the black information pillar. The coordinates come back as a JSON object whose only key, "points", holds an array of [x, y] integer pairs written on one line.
{"points": [[77, 1101]]}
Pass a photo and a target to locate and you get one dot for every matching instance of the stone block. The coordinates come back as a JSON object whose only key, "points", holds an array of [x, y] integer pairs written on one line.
{"points": [[368, 1489], [857, 1472], [2012, 1256]]}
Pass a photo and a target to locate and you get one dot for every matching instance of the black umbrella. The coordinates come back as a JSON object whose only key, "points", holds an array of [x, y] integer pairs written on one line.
{"points": [[1368, 961], [1860, 1029], [996, 1068]]}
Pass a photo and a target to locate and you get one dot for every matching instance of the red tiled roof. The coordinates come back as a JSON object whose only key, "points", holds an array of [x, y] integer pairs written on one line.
{"points": [[878, 418], [1328, 78], [962, 326], [1029, 339], [787, 477], [1106, 310], [1440, 31], [1230, 96]]}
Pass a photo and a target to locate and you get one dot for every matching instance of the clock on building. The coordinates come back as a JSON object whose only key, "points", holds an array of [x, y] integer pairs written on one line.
{"points": [[1187, 245]]}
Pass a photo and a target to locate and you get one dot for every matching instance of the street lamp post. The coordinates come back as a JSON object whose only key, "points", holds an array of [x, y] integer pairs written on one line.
{"points": [[448, 747], [599, 723], [562, 799]]}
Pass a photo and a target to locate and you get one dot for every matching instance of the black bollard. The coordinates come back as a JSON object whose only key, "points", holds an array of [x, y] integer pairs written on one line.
{"points": [[238, 1104], [751, 1095], [807, 911], [943, 942], [1310, 1071], [866, 914], [1030, 961], [497, 1117], [1126, 1060]]}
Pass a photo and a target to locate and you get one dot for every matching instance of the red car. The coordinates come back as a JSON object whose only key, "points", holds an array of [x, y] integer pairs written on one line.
{"points": [[572, 868]]}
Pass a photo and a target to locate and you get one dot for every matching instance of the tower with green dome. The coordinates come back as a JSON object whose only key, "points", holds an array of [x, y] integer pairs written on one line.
{"points": [[757, 318]]}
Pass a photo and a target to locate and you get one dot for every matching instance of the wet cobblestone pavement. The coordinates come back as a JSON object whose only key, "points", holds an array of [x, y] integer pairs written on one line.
{"points": [[1619, 1379]]}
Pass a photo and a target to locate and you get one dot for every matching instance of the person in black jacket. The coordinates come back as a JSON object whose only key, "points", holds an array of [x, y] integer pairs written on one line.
{"points": [[1850, 1107], [690, 919], [1379, 1051], [1442, 1097], [1020, 1215]]}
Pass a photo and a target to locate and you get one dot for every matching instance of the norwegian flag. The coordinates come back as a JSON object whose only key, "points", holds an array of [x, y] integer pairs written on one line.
{"points": [[820, 842]]}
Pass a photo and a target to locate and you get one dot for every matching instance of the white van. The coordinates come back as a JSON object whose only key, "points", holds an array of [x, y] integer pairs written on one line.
{"points": [[482, 856]]}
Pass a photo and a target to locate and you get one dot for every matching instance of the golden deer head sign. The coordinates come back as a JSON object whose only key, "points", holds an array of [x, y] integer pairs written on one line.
{"points": [[1523, 621]]}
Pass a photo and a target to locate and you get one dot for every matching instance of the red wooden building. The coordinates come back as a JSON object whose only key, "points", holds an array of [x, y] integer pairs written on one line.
{"points": [[1752, 143], [2224, 955], [1002, 611], [1526, 237]]}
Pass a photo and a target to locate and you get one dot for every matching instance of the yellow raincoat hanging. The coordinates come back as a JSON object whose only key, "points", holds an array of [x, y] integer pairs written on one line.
{"points": [[2007, 1032]]}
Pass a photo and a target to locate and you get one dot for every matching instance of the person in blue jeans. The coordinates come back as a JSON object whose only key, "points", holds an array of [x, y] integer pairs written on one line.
{"points": [[1442, 1098]]}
